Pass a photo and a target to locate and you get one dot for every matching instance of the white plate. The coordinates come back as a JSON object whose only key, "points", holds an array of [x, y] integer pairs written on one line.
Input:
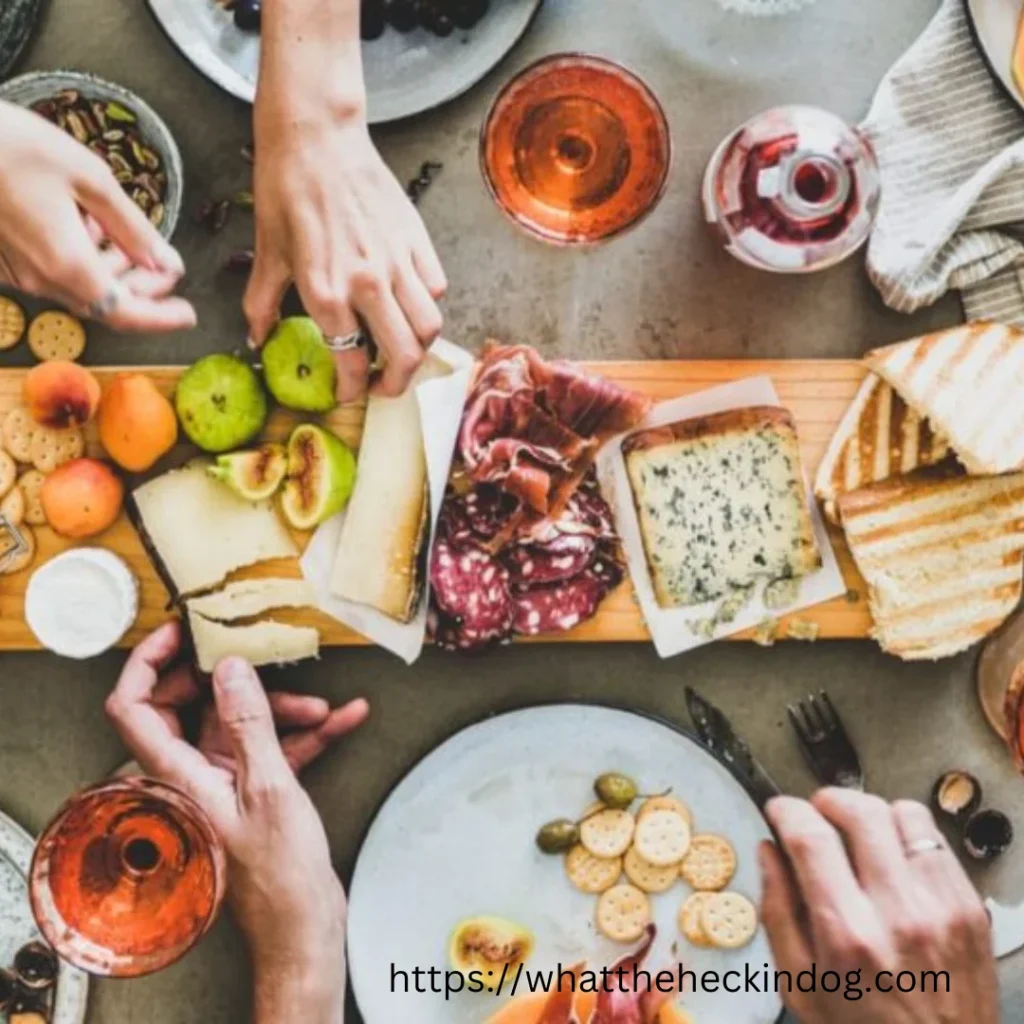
{"points": [[455, 839], [17, 926], [405, 74], [995, 26]]}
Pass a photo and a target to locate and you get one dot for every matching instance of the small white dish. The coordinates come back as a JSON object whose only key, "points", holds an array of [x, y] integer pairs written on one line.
{"points": [[40, 85], [82, 602]]}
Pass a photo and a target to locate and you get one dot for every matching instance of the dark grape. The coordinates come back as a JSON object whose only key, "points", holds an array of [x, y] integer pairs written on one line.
{"points": [[466, 13], [372, 21], [404, 15], [247, 15], [436, 20]]}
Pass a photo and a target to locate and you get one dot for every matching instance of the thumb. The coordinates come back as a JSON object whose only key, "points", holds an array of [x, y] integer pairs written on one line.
{"points": [[244, 711], [781, 912]]}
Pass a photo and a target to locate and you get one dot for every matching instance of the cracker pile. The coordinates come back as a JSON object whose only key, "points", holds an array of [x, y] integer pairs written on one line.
{"points": [[656, 848]]}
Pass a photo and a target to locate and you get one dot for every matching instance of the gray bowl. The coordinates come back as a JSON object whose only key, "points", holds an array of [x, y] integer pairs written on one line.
{"points": [[40, 85]]}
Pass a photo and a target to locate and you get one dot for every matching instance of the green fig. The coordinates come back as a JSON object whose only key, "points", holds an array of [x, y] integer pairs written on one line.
{"points": [[255, 473], [321, 475], [298, 366], [221, 403]]}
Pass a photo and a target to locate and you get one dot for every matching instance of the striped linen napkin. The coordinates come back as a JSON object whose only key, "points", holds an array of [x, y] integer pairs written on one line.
{"points": [[951, 147]]}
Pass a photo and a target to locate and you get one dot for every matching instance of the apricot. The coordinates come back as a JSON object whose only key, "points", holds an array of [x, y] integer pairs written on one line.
{"points": [[137, 424], [60, 394], [82, 498]]}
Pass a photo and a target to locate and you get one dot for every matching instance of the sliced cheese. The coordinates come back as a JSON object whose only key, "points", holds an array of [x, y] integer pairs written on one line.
{"points": [[245, 598], [378, 555], [265, 643], [201, 530]]}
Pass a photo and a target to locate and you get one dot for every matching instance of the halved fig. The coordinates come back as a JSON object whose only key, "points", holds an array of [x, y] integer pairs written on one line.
{"points": [[255, 473], [1014, 708], [321, 475], [489, 944]]}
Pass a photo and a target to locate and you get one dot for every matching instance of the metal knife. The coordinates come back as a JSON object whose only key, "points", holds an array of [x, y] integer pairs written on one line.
{"points": [[715, 731]]}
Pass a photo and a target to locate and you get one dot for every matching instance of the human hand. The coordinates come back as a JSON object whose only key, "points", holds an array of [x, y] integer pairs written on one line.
{"points": [[281, 885], [865, 892], [331, 217], [68, 232]]}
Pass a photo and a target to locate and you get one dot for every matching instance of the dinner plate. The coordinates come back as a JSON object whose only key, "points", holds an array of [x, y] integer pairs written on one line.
{"points": [[995, 28], [405, 74], [18, 927], [17, 20], [455, 839]]}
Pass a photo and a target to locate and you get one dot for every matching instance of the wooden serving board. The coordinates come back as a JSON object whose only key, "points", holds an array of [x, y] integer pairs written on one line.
{"points": [[817, 392]]}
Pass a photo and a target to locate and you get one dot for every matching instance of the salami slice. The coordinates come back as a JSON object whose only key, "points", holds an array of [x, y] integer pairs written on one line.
{"points": [[450, 635], [471, 588], [476, 517], [562, 606], [562, 558]]}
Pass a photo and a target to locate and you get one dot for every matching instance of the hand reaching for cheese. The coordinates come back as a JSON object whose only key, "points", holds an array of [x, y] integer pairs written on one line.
{"points": [[875, 895], [282, 886]]}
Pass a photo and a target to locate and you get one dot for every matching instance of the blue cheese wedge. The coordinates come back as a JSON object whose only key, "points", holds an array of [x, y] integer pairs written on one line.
{"points": [[722, 504]]}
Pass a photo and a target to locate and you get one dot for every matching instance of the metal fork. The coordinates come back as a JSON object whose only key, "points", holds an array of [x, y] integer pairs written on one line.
{"points": [[825, 742]]}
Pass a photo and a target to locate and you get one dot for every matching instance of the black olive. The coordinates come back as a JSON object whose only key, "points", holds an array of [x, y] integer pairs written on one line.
{"points": [[956, 795], [248, 15], [36, 965], [27, 1007], [987, 834], [466, 13], [372, 21], [8, 986], [403, 15]]}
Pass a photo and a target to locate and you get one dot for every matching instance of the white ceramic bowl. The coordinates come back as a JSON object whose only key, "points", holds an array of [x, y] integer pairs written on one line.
{"points": [[26, 90]]}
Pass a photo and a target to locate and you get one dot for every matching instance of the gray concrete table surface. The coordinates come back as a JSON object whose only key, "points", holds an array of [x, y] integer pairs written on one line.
{"points": [[665, 290]]}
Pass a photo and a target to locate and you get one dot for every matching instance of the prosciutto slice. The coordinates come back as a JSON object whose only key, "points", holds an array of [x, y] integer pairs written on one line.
{"points": [[623, 1005]]}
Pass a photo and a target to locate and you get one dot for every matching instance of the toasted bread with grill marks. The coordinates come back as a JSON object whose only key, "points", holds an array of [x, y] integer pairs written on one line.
{"points": [[878, 437], [969, 383], [942, 553]]}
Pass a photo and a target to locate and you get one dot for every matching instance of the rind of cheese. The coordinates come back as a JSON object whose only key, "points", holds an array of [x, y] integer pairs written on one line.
{"points": [[201, 530], [245, 598], [722, 503], [264, 643]]}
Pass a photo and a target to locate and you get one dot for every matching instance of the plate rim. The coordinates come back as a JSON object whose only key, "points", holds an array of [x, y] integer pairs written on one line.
{"points": [[972, 23], [460, 90], [658, 718]]}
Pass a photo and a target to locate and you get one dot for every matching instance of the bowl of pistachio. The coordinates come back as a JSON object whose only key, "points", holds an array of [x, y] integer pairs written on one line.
{"points": [[117, 125]]}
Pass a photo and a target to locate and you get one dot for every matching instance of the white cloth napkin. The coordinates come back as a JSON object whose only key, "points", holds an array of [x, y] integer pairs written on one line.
{"points": [[951, 147]]}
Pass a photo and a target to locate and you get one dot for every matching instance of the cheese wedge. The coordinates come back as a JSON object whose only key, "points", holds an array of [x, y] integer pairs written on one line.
{"points": [[199, 531], [265, 643], [942, 553], [878, 437], [246, 598], [968, 383], [378, 561]]}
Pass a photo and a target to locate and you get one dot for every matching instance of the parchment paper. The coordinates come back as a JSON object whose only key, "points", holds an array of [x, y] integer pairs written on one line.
{"points": [[670, 627], [440, 401]]}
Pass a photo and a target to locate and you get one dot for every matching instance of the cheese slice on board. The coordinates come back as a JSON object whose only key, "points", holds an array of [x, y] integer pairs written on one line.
{"points": [[264, 643], [246, 598], [199, 530]]}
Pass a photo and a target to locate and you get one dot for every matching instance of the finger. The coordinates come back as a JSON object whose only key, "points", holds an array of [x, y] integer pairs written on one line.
{"points": [[141, 671], [177, 689], [427, 263], [353, 374], [147, 284], [939, 868], [262, 303], [96, 233], [394, 335], [244, 712], [301, 749], [782, 913], [132, 312], [419, 307], [868, 829], [116, 261], [102, 198], [330, 309], [298, 711], [821, 867]]}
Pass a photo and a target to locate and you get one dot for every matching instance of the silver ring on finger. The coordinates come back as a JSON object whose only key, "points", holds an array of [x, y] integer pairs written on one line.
{"points": [[347, 342], [101, 308], [919, 846]]}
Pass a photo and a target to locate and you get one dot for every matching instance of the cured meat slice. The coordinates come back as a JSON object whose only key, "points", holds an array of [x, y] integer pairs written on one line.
{"points": [[450, 635], [621, 1004], [477, 517], [564, 556], [562, 606], [471, 588]]}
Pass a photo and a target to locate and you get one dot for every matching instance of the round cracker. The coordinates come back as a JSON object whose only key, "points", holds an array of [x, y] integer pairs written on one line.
{"points": [[689, 919], [667, 803], [8, 472], [607, 833], [623, 913], [18, 428], [662, 837], [647, 876], [51, 448], [591, 874], [710, 862], [729, 919], [12, 507], [12, 323], [56, 335], [31, 484], [23, 561]]}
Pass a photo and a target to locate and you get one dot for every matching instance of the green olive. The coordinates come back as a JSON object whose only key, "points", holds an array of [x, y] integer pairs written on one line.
{"points": [[615, 790], [558, 836]]}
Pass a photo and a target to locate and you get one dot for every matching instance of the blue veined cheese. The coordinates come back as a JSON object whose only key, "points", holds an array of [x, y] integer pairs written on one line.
{"points": [[721, 503]]}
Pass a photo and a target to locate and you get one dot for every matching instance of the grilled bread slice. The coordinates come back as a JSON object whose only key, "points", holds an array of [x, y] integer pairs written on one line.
{"points": [[879, 436], [968, 382], [942, 553]]}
